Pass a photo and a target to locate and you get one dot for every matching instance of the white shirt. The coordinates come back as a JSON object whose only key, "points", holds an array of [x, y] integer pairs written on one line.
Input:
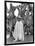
{"points": [[19, 31]]}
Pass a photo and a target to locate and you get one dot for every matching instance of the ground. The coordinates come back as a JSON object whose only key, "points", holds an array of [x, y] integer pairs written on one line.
{"points": [[27, 38]]}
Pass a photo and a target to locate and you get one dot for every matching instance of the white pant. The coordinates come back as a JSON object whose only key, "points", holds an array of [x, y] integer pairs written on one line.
{"points": [[19, 31]]}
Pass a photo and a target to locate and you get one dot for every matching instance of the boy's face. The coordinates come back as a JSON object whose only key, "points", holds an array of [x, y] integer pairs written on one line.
{"points": [[18, 19]]}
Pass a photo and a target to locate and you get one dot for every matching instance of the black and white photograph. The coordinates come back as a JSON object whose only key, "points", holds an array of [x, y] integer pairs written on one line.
{"points": [[19, 22]]}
